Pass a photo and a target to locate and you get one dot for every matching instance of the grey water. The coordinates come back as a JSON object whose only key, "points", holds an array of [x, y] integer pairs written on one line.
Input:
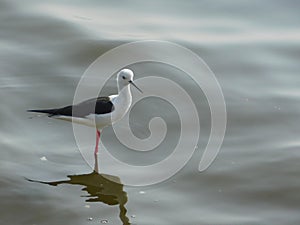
{"points": [[251, 46]]}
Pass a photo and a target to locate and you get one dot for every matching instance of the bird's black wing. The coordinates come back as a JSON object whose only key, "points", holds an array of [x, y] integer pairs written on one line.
{"points": [[100, 105]]}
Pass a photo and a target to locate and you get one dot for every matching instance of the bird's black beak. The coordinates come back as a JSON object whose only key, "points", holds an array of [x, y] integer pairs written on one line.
{"points": [[131, 82]]}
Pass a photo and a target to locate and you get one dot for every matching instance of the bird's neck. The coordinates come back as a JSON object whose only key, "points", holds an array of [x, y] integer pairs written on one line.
{"points": [[125, 94], [124, 90], [123, 101]]}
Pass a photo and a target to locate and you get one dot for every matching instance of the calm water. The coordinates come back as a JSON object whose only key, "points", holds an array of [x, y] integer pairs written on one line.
{"points": [[253, 49]]}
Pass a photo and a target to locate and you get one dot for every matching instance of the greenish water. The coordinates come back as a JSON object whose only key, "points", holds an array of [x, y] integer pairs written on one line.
{"points": [[251, 46]]}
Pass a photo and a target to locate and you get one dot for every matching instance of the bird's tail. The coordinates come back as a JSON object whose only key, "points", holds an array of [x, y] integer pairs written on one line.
{"points": [[50, 112]]}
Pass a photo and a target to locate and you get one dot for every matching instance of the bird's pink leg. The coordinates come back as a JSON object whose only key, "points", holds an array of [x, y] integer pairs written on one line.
{"points": [[97, 141]]}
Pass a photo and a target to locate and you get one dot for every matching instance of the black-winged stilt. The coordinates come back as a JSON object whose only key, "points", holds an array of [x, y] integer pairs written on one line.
{"points": [[98, 112]]}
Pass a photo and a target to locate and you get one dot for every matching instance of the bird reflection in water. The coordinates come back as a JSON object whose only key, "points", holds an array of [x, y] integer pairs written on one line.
{"points": [[101, 188]]}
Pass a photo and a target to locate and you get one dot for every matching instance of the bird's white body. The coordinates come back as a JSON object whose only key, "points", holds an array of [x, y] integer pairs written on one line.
{"points": [[121, 103]]}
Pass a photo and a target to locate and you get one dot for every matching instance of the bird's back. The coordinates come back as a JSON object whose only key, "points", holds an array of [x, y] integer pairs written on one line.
{"points": [[99, 105]]}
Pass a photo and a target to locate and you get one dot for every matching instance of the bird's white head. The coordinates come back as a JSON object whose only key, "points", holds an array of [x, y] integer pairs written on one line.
{"points": [[124, 78]]}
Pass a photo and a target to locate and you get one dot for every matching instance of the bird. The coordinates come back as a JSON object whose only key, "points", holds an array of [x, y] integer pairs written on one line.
{"points": [[98, 112]]}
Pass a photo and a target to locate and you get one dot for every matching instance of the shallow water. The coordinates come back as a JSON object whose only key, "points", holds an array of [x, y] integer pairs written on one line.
{"points": [[253, 49]]}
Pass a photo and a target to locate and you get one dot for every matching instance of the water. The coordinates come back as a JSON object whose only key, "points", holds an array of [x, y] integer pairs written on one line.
{"points": [[252, 47]]}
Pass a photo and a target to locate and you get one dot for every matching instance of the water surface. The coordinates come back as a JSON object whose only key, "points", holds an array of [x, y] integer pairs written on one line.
{"points": [[251, 46]]}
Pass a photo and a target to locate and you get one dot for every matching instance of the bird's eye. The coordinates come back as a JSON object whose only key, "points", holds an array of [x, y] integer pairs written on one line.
{"points": [[123, 77]]}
